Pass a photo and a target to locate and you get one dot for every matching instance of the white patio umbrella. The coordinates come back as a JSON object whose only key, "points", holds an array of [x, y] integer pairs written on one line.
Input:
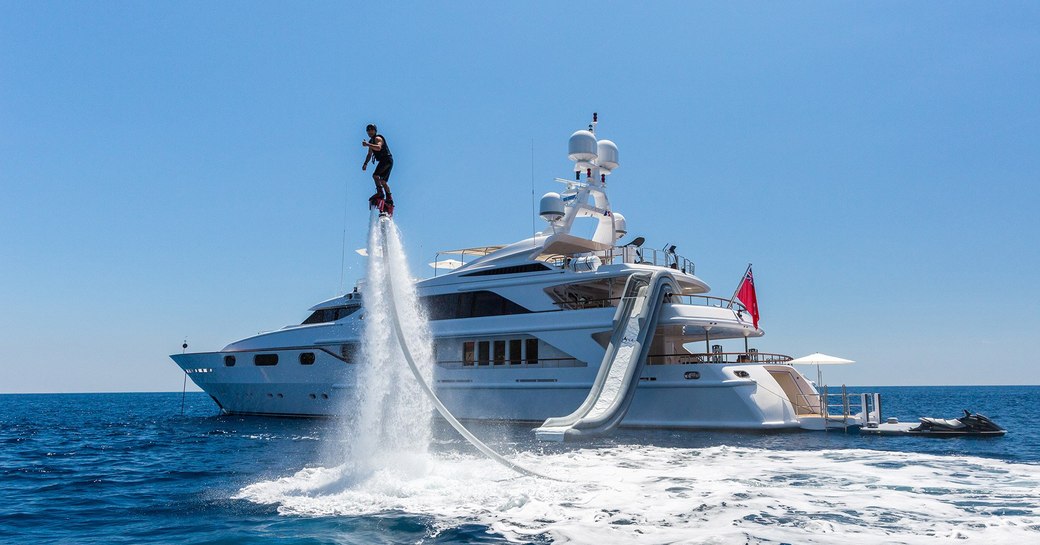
{"points": [[818, 359]]}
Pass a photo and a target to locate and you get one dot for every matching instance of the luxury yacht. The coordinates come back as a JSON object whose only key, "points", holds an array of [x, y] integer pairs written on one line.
{"points": [[522, 330]]}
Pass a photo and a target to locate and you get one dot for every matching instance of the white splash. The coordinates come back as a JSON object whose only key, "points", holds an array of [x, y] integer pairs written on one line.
{"points": [[390, 417], [649, 494]]}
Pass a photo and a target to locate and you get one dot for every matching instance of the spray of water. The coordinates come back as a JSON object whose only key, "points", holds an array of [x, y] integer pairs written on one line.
{"points": [[389, 416]]}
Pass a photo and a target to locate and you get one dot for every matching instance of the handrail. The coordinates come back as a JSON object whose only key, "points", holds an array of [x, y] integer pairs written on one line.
{"points": [[717, 357], [631, 254], [846, 404], [719, 302]]}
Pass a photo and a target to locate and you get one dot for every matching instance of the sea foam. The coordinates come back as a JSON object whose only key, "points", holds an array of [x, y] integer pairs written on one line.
{"points": [[650, 494]]}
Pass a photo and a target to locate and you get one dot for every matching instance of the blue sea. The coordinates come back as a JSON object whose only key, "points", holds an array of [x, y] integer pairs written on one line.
{"points": [[131, 468]]}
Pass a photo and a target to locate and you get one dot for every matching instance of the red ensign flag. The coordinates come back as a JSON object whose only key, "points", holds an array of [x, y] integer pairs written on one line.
{"points": [[746, 295]]}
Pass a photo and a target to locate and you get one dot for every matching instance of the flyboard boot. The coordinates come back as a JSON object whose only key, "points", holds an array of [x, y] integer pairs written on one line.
{"points": [[376, 197], [385, 205]]}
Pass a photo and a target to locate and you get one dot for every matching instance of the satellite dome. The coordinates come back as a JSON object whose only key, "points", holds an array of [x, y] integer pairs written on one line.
{"points": [[582, 146], [620, 226], [551, 208], [608, 155]]}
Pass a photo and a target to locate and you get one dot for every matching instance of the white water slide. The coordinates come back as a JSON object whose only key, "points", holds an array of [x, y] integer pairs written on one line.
{"points": [[611, 395]]}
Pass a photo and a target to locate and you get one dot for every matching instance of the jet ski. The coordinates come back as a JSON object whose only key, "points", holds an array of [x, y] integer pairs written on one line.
{"points": [[969, 424]]}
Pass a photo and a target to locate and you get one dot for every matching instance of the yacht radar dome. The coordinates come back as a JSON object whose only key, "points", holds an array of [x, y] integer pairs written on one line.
{"points": [[607, 153], [551, 208], [582, 147], [620, 227]]}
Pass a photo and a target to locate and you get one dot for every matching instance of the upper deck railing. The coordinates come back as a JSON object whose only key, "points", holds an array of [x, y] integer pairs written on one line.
{"points": [[718, 357], [698, 300], [629, 254], [708, 301]]}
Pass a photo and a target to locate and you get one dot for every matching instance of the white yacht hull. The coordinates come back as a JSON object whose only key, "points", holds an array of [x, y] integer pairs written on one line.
{"points": [[665, 397]]}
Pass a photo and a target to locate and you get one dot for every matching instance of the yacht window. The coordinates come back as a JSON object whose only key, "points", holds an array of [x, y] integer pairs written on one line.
{"points": [[500, 352], [532, 351], [265, 359], [467, 352], [307, 358], [741, 374], [515, 357], [472, 304], [229, 361], [483, 352], [530, 267], [325, 315]]}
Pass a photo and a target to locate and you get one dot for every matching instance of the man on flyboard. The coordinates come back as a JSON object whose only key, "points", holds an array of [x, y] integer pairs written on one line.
{"points": [[379, 151]]}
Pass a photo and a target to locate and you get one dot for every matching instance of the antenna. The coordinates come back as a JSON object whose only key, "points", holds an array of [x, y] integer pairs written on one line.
{"points": [[534, 227]]}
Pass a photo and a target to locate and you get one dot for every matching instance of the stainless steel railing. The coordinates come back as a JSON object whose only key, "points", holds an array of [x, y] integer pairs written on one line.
{"points": [[858, 409], [633, 255], [709, 301], [717, 357], [696, 300]]}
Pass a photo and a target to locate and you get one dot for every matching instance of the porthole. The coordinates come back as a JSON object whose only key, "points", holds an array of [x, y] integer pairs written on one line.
{"points": [[280, 396], [229, 361], [313, 396], [741, 374], [692, 375], [307, 358], [324, 396]]}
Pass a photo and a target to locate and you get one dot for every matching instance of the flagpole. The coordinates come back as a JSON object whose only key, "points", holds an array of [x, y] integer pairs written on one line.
{"points": [[736, 291]]}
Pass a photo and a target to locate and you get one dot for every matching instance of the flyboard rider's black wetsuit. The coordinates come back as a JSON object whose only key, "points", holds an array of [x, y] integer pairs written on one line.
{"points": [[384, 164]]}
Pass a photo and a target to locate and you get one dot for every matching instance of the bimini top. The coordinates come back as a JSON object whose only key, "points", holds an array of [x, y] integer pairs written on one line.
{"points": [[475, 251]]}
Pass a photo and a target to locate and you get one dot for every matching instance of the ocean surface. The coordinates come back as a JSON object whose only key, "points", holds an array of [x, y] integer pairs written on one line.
{"points": [[131, 468]]}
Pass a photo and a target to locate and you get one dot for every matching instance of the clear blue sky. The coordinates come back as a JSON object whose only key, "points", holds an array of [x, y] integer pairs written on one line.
{"points": [[175, 169]]}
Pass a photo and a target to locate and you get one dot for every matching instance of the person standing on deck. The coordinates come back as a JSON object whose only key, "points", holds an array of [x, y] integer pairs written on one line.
{"points": [[379, 151]]}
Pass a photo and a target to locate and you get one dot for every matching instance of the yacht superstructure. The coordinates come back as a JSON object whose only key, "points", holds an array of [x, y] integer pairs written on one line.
{"points": [[521, 331]]}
